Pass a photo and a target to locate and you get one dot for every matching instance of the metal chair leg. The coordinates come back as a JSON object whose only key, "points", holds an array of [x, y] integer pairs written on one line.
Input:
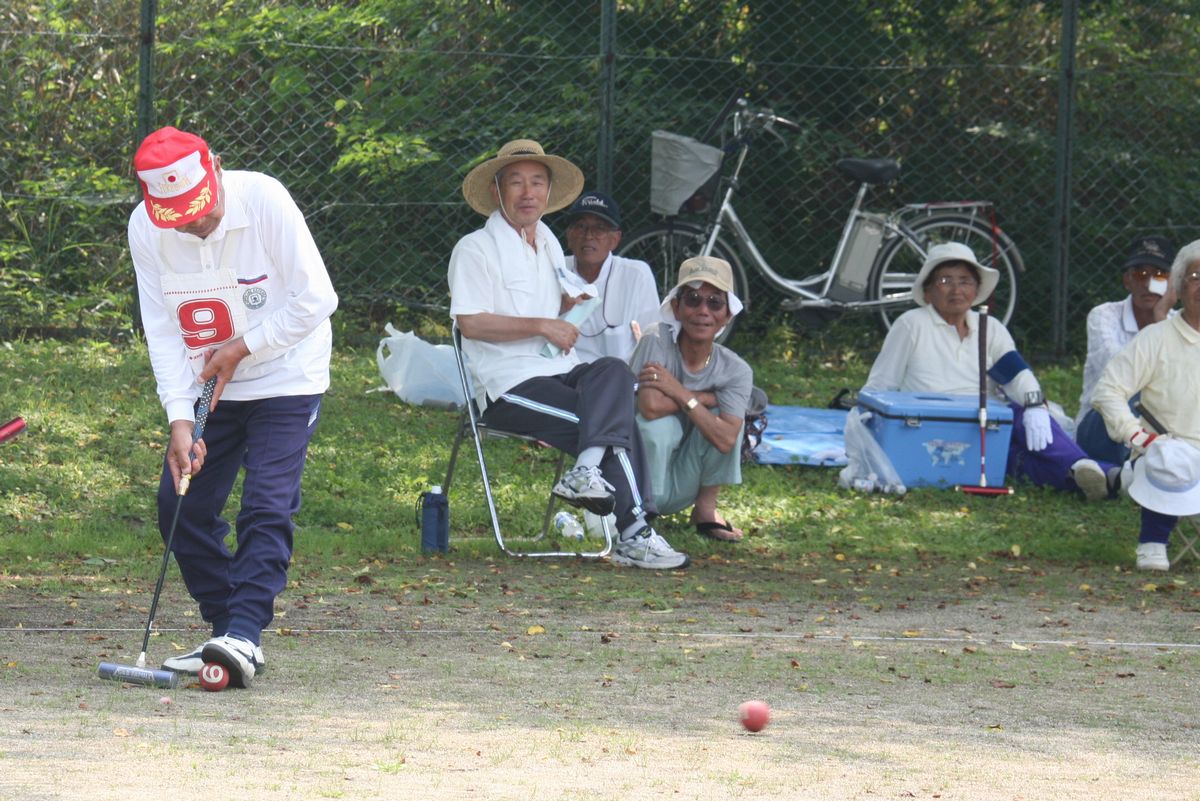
{"points": [[1188, 542]]}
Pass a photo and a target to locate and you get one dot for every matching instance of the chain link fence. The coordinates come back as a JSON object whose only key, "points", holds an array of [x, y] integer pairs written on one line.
{"points": [[371, 114]]}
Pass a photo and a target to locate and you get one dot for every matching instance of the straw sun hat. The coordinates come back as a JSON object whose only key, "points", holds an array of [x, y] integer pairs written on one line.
{"points": [[566, 180]]}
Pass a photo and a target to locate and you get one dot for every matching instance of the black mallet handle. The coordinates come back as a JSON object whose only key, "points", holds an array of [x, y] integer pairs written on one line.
{"points": [[197, 432], [1151, 419]]}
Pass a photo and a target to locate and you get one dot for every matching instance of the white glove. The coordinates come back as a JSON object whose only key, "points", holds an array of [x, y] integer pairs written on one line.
{"points": [[1037, 428]]}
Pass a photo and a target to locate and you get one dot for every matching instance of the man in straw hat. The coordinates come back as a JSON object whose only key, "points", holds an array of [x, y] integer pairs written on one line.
{"points": [[1160, 364], [231, 286], [935, 348], [693, 395], [508, 288]]}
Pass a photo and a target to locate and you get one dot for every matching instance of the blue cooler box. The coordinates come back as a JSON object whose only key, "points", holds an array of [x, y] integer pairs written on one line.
{"points": [[933, 439]]}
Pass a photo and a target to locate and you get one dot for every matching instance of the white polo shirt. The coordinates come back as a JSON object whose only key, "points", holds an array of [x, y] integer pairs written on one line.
{"points": [[494, 270], [278, 287]]}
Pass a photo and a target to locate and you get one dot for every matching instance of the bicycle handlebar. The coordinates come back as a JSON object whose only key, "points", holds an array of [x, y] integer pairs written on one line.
{"points": [[764, 118]]}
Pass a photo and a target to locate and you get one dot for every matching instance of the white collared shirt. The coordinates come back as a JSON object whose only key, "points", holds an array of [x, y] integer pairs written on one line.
{"points": [[495, 271], [924, 353], [1110, 327], [281, 280], [1160, 363], [627, 294]]}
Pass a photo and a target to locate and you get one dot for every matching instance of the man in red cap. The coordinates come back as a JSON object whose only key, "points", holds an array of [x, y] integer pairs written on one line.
{"points": [[231, 286]]}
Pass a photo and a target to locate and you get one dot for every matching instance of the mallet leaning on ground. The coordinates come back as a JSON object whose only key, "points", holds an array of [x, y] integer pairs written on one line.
{"points": [[138, 673]]}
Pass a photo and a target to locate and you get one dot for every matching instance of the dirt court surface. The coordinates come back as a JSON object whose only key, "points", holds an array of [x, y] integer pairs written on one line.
{"points": [[510, 689]]}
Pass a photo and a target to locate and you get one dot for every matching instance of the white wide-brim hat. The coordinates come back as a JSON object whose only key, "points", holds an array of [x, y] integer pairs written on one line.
{"points": [[566, 180], [1167, 479], [954, 251]]}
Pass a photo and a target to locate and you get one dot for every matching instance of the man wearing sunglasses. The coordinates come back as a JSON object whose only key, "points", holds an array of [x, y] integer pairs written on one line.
{"points": [[692, 396], [1111, 326], [628, 297]]}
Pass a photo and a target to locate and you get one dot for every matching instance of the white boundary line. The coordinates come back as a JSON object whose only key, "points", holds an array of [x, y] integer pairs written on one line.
{"points": [[847, 638]]}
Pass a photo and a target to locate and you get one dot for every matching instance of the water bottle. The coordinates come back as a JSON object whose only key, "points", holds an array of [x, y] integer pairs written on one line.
{"points": [[568, 526], [435, 520]]}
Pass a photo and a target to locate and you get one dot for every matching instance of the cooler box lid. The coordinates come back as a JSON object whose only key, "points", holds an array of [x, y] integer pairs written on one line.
{"points": [[933, 406]]}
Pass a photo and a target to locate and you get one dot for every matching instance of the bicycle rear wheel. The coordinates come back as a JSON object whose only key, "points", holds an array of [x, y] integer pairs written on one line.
{"points": [[665, 246], [897, 265]]}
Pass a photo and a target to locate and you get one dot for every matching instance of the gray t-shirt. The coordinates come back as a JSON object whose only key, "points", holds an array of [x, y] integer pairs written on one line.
{"points": [[726, 374]]}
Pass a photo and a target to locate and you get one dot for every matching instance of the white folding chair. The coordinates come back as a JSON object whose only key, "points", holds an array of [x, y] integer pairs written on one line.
{"points": [[471, 426]]}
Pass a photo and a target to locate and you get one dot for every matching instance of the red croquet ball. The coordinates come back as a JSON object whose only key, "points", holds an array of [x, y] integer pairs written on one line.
{"points": [[754, 714], [214, 677]]}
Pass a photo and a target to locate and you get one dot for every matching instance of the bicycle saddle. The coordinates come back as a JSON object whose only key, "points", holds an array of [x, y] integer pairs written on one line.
{"points": [[869, 171]]}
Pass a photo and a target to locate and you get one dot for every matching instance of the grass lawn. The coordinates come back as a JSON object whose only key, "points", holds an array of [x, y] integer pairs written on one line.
{"points": [[77, 489]]}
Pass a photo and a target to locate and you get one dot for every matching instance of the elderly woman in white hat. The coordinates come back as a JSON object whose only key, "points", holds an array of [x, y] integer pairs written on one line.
{"points": [[1160, 363], [692, 396], [509, 288], [935, 348]]}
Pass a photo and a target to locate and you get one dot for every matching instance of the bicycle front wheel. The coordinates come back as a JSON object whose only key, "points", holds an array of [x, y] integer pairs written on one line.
{"points": [[665, 246], [898, 263]]}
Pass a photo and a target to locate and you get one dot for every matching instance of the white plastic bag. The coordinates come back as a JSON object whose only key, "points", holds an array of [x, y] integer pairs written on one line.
{"points": [[418, 372], [868, 468]]}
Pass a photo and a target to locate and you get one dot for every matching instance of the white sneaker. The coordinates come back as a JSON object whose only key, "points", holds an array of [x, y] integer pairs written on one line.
{"points": [[236, 654], [647, 549], [1090, 479], [191, 662], [586, 488], [1153, 556]]}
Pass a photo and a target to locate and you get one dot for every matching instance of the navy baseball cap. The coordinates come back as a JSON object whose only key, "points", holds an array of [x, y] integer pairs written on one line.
{"points": [[596, 203], [1155, 251]]}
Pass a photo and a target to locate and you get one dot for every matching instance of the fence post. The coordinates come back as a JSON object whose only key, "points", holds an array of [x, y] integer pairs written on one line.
{"points": [[145, 105], [145, 102], [608, 79], [1062, 174]]}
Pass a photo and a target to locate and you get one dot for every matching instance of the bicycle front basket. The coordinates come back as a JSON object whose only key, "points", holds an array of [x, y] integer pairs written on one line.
{"points": [[679, 165]]}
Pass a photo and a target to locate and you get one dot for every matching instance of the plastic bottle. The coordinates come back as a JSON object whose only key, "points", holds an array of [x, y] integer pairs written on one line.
{"points": [[568, 526], [435, 520]]}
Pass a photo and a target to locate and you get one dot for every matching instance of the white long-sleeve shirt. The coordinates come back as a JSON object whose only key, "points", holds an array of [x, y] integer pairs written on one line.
{"points": [[1110, 327], [281, 284], [924, 353], [1161, 363], [627, 293]]}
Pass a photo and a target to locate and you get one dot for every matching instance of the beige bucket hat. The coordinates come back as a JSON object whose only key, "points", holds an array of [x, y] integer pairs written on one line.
{"points": [[566, 180]]}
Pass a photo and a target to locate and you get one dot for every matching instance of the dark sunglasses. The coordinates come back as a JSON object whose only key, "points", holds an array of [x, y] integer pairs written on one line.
{"points": [[692, 299], [1146, 273]]}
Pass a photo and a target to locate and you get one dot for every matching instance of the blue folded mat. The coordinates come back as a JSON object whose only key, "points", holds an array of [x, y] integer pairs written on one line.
{"points": [[802, 435]]}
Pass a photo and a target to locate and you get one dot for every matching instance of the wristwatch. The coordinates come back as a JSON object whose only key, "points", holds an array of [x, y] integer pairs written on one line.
{"points": [[691, 404], [1036, 398]]}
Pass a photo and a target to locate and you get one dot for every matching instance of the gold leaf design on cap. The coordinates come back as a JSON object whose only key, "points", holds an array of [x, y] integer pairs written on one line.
{"points": [[201, 200], [164, 212]]}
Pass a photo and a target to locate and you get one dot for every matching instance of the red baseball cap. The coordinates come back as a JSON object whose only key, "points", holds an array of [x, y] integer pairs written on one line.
{"points": [[179, 182]]}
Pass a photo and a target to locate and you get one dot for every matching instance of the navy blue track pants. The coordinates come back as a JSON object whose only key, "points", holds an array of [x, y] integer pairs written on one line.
{"points": [[269, 439]]}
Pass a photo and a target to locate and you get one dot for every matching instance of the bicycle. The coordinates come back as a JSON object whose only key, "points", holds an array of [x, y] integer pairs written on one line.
{"points": [[878, 255]]}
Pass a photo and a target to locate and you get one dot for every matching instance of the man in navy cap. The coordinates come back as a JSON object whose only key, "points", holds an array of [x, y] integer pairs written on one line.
{"points": [[1111, 326], [628, 297]]}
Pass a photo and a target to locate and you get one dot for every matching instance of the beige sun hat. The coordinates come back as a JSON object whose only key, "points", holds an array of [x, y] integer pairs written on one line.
{"points": [[954, 251], [703, 270], [566, 180]]}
